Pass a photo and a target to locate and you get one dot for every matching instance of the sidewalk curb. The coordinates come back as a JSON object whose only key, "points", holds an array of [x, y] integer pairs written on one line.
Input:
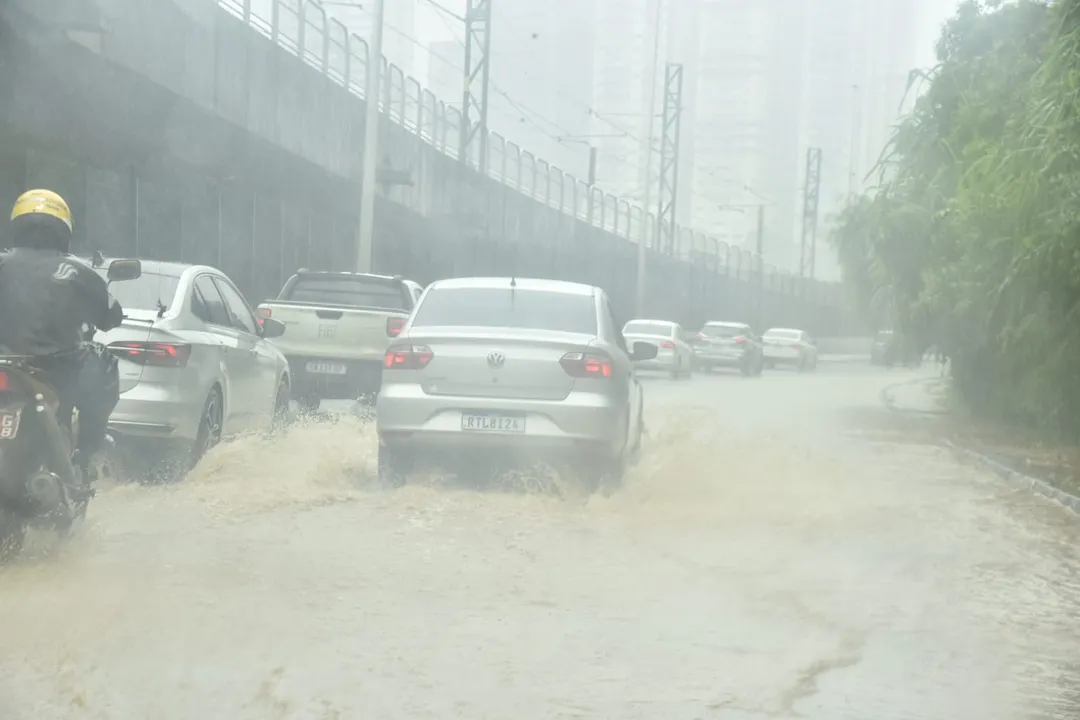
{"points": [[1035, 485], [1027, 482]]}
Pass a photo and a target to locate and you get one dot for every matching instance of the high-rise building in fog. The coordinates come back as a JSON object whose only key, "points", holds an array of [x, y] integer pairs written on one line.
{"points": [[629, 107], [541, 72], [761, 87]]}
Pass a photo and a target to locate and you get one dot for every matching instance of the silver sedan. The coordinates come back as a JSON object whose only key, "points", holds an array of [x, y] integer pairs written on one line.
{"points": [[195, 366], [488, 367], [674, 354]]}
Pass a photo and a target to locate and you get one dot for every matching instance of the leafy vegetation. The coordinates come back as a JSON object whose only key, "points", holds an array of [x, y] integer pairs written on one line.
{"points": [[971, 240]]}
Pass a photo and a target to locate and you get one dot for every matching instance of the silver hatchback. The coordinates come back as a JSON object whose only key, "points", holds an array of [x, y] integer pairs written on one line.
{"points": [[489, 368]]}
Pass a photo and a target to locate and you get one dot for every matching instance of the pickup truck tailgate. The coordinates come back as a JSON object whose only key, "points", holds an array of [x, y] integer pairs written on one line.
{"points": [[332, 332]]}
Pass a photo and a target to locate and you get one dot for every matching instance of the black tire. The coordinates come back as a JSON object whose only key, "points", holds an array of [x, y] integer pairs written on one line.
{"points": [[210, 426], [394, 466], [309, 404], [603, 474], [281, 407], [12, 535]]}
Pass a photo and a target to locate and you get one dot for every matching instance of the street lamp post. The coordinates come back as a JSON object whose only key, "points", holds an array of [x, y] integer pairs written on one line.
{"points": [[366, 240]]}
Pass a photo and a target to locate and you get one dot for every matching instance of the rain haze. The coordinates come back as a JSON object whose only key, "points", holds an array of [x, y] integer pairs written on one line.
{"points": [[637, 359]]}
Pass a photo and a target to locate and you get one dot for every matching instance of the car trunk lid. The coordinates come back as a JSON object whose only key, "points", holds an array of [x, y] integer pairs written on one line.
{"points": [[498, 363]]}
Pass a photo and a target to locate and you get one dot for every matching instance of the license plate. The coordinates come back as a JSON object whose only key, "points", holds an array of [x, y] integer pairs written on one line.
{"points": [[493, 423], [326, 368], [9, 424]]}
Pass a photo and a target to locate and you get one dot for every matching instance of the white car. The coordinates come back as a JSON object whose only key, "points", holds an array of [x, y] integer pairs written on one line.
{"points": [[788, 346], [673, 355], [195, 365], [510, 369]]}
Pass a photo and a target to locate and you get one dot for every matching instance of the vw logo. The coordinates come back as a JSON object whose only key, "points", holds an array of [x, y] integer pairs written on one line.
{"points": [[496, 360]]}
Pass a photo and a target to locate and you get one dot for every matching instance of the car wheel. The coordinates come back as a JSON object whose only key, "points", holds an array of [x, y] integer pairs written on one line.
{"points": [[602, 473], [12, 535], [309, 404], [394, 466], [281, 408], [210, 427], [760, 367]]}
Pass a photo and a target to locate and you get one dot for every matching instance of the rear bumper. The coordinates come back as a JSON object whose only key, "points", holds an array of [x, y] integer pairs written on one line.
{"points": [[710, 360], [151, 410], [361, 377], [406, 418]]}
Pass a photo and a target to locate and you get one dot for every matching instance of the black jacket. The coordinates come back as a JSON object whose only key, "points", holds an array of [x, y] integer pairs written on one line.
{"points": [[46, 297]]}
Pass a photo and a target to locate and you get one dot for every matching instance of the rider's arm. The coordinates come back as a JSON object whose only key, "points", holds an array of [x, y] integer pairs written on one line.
{"points": [[103, 312]]}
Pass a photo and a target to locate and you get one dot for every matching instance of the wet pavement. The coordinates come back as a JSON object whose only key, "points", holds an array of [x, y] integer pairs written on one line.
{"points": [[787, 548]]}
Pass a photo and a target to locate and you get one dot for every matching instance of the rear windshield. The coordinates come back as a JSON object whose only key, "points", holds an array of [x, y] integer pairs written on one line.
{"points": [[505, 308], [347, 291], [784, 334], [648, 328], [723, 331], [144, 292]]}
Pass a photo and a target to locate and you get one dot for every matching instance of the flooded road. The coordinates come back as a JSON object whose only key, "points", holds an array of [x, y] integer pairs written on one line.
{"points": [[787, 548]]}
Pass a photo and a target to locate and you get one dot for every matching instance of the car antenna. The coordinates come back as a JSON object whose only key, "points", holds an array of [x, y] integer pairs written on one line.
{"points": [[513, 287]]}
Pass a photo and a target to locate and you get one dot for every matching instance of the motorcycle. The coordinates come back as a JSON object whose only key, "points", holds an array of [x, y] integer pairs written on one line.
{"points": [[40, 485]]}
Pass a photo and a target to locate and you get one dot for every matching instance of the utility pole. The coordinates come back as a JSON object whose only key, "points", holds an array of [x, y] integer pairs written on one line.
{"points": [[810, 213], [477, 65], [643, 249], [366, 241], [760, 295], [669, 159]]}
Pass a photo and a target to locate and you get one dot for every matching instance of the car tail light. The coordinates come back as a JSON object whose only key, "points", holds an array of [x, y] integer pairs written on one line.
{"points": [[740, 340], [586, 365], [152, 353], [408, 357], [3, 380], [261, 314], [797, 346], [394, 326], [668, 345]]}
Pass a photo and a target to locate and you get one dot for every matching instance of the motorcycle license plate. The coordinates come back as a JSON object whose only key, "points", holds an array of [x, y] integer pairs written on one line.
{"points": [[9, 424]]}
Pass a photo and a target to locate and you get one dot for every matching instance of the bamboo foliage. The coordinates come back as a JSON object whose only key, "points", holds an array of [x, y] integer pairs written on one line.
{"points": [[972, 240]]}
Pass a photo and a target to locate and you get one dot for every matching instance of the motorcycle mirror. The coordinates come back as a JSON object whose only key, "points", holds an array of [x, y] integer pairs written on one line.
{"points": [[121, 270]]}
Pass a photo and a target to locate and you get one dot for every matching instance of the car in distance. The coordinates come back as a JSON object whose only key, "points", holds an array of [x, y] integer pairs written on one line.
{"points": [[728, 345], [195, 366], [514, 368], [788, 346], [340, 324], [673, 353]]}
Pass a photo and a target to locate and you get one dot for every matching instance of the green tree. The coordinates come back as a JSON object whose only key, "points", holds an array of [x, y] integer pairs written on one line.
{"points": [[972, 239]]}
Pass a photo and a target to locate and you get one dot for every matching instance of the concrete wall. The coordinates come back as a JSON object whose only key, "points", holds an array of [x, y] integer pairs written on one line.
{"points": [[186, 132]]}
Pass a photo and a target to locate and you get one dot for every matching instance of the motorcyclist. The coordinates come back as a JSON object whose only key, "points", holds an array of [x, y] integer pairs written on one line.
{"points": [[47, 296]]}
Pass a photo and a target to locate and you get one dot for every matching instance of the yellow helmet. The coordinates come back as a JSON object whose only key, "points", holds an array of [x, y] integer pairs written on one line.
{"points": [[43, 202]]}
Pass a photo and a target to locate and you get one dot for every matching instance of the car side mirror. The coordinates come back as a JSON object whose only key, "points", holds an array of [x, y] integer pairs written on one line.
{"points": [[121, 270], [271, 328], [643, 351]]}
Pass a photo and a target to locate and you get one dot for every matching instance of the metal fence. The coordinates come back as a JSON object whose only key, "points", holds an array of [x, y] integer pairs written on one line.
{"points": [[284, 72]]}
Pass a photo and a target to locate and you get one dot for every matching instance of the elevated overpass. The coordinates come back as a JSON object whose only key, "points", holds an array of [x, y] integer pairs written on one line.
{"points": [[231, 133]]}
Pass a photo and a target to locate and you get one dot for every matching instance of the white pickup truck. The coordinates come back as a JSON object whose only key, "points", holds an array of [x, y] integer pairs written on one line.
{"points": [[339, 325]]}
